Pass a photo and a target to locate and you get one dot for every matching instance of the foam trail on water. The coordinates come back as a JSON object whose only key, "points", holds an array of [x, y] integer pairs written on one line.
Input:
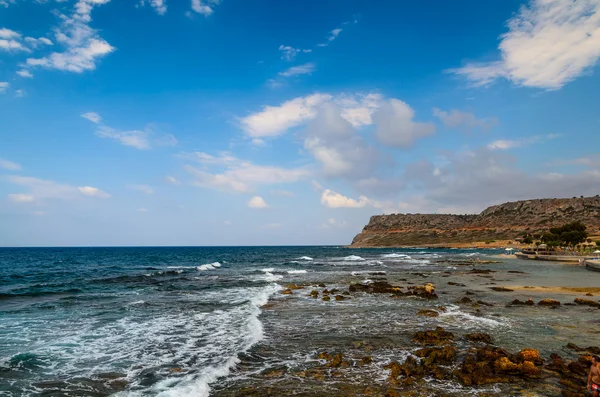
{"points": [[209, 266], [353, 258], [297, 271], [469, 320], [396, 256], [305, 258]]}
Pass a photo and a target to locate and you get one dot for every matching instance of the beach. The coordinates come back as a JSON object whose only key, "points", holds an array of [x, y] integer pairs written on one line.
{"points": [[306, 321]]}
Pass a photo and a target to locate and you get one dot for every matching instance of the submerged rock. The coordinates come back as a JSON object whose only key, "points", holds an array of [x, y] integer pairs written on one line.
{"points": [[439, 336], [502, 289], [479, 337], [428, 313]]}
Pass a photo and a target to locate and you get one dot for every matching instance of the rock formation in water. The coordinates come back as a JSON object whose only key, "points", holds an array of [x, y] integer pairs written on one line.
{"points": [[499, 222]]}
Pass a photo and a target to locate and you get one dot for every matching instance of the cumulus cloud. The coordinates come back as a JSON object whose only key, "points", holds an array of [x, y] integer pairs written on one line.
{"points": [[463, 120], [83, 45], [234, 175], [396, 127], [92, 192], [356, 108], [548, 44], [204, 7], [3, 86], [20, 93], [275, 120], [333, 199], [92, 116], [306, 68], [288, 53], [337, 146], [9, 34], [9, 165], [21, 198], [257, 202]]}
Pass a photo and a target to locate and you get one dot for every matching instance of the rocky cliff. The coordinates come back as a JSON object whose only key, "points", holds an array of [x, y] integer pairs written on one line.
{"points": [[500, 222]]}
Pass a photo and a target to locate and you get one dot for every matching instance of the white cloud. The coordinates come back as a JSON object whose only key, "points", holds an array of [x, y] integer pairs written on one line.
{"points": [[159, 6], [395, 125], [3, 86], [9, 165], [21, 198], [337, 146], [135, 138], [172, 180], [464, 120], [333, 199], [549, 43], [204, 7], [83, 45], [505, 144], [92, 116], [20, 93], [332, 36], [25, 73], [142, 140], [241, 176], [306, 68], [9, 34], [92, 192], [257, 202], [142, 188], [32, 41], [356, 108], [275, 120], [12, 45], [142, 209], [288, 53], [46, 189]]}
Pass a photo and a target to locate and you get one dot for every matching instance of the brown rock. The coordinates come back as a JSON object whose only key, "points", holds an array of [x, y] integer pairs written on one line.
{"points": [[464, 300], [286, 292], [294, 286], [479, 337], [326, 298], [439, 336], [529, 355], [528, 302], [501, 289], [314, 293], [548, 302], [427, 313], [340, 297], [587, 302], [437, 355]]}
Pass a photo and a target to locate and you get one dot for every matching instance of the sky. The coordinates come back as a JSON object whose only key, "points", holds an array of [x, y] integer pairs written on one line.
{"points": [[236, 122]]}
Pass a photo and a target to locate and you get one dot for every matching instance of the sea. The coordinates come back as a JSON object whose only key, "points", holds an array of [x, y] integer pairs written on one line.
{"points": [[204, 321]]}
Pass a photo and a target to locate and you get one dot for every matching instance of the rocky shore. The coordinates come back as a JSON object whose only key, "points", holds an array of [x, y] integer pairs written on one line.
{"points": [[472, 361]]}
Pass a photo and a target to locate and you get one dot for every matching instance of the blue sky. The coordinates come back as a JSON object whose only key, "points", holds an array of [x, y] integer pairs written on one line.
{"points": [[232, 122]]}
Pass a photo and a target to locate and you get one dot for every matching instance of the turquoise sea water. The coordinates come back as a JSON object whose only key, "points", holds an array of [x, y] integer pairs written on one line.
{"points": [[184, 321]]}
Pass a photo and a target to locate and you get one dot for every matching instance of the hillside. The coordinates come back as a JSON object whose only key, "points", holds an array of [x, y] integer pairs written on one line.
{"points": [[499, 222]]}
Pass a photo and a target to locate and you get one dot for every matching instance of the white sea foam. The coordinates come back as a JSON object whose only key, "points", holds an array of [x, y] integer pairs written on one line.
{"points": [[137, 303], [269, 276], [305, 258], [209, 266], [358, 273], [396, 256], [455, 315], [297, 271], [353, 258]]}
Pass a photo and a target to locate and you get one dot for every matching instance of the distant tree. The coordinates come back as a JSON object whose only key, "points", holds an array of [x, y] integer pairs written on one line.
{"points": [[589, 240], [527, 240], [570, 234]]}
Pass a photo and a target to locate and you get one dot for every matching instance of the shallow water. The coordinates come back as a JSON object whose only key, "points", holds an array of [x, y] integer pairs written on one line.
{"points": [[210, 321]]}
